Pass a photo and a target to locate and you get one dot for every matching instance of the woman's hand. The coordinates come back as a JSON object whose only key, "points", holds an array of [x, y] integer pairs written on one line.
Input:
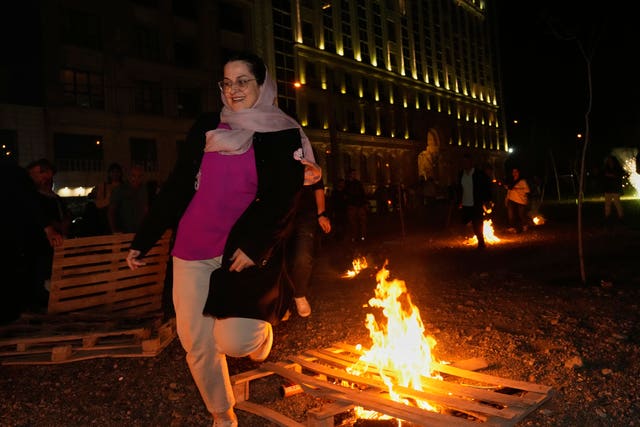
{"points": [[132, 259], [55, 239], [312, 172], [240, 261], [325, 223]]}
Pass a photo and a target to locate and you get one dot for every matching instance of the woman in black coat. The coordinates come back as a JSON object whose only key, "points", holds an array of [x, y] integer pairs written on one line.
{"points": [[233, 194]]}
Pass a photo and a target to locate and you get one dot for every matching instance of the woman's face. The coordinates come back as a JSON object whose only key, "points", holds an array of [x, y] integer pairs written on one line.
{"points": [[240, 87]]}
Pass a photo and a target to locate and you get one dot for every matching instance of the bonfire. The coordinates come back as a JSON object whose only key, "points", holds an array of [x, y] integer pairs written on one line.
{"points": [[401, 353]]}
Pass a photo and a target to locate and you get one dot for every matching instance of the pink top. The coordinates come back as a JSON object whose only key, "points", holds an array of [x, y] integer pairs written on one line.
{"points": [[225, 187]]}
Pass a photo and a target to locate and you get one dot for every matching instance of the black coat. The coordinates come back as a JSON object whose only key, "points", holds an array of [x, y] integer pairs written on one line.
{"points": [[263, 291], [260, 292]]}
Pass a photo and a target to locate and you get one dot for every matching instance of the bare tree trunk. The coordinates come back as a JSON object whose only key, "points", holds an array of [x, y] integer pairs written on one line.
{"points": [[555, 173], [583, 275]]}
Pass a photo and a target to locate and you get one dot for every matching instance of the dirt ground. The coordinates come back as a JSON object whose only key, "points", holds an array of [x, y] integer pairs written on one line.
{"points": [[520, 305]]}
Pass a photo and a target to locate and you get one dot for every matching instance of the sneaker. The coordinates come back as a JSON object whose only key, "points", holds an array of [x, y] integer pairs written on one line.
{"points": [[303, 307], [225, 419], [260, 355]]}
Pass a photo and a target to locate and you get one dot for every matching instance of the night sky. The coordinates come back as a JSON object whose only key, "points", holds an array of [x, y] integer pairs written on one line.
{"points": [[544, 76]]}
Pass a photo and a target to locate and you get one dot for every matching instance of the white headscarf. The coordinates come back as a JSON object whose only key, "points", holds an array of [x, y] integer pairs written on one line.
{"points": [[264, 116]]}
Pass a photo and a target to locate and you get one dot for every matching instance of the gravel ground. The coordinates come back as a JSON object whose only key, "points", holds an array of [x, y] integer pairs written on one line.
{"points": [[520, 305]]}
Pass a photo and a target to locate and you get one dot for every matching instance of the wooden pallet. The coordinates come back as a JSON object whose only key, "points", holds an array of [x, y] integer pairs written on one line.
{"points": [[464, 397], [82, 341], [90, 275]]}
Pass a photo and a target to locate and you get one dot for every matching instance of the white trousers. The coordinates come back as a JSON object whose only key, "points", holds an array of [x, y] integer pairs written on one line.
{"points": [[207, 340]]}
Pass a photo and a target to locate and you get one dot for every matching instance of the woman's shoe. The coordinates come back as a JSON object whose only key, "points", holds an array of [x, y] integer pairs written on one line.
{"points": [[225, 419], [303, 307]]}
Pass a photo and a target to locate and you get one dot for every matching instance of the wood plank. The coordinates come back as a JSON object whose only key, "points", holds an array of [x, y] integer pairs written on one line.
{"points": [[382, 405], [465, 390], [436, 396], [268, 414]]}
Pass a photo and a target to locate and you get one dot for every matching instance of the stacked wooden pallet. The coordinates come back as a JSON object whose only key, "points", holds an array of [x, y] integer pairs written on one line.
{"points": [[90, 274], [52, 341], [462, 397], [98, 306]]}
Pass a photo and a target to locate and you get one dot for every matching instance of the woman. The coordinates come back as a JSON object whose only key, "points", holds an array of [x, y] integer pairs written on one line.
{"points": [[229, 241]]}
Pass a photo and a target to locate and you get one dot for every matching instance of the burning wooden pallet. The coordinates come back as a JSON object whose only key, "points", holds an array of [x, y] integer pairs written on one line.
{"points": [[463, 397], [83, 340]]}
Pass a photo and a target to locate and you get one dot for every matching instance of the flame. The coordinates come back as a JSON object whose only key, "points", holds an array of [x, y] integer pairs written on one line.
{"points": [[400, 347], [489, 235], [538, 220], [358, 264]]}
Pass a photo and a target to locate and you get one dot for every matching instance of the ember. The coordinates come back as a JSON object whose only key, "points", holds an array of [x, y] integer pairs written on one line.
{"points": [[400, 347], [358, 264], [489, 235]]}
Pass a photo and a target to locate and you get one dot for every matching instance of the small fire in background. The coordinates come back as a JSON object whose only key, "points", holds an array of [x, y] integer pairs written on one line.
{"points": [[400, 345], [359, 264], [538, 220], [627, 158], [489, 235]]}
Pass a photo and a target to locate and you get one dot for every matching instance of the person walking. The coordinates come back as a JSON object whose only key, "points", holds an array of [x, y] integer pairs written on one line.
{"points": [[129, 203], [356, 207], [248, 164], [311, 216], [612, 176], [58, 215], [474, 189], [517, 200]]}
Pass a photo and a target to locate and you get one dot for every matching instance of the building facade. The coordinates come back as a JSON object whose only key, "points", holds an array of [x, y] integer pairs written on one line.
{"points": [[396, 89]]}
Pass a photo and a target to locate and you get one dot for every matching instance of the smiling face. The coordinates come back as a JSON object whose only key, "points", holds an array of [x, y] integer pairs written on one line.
{"points": [[242, 90]]}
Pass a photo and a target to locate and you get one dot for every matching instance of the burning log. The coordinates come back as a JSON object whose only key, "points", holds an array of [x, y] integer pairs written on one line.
{"points": [[359, 264]]}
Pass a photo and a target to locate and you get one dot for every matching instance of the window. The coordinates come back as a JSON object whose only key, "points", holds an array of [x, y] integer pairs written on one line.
{"points": [[81, 29], [148, 3], [146, 43], [189, 102], [313, 115], [186, 53], [307, 34], [76, 152], [232, 17], [144, 152], [391, 31], [82, 88], [185, 9], [148, 97]]}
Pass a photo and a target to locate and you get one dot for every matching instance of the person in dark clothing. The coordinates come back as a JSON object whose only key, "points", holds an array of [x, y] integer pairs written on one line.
{"points": [[338, 209], [57, 213], [24, 225], [356, 207], [311, 215], [612, 177], [474, 189]]}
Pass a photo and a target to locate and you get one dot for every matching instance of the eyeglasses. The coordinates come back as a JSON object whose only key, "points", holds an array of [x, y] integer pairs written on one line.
{"points": [[227, 85]]}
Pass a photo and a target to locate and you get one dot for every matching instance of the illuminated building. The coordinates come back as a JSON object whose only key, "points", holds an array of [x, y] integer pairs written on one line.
{"points": [[396, 89]]}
